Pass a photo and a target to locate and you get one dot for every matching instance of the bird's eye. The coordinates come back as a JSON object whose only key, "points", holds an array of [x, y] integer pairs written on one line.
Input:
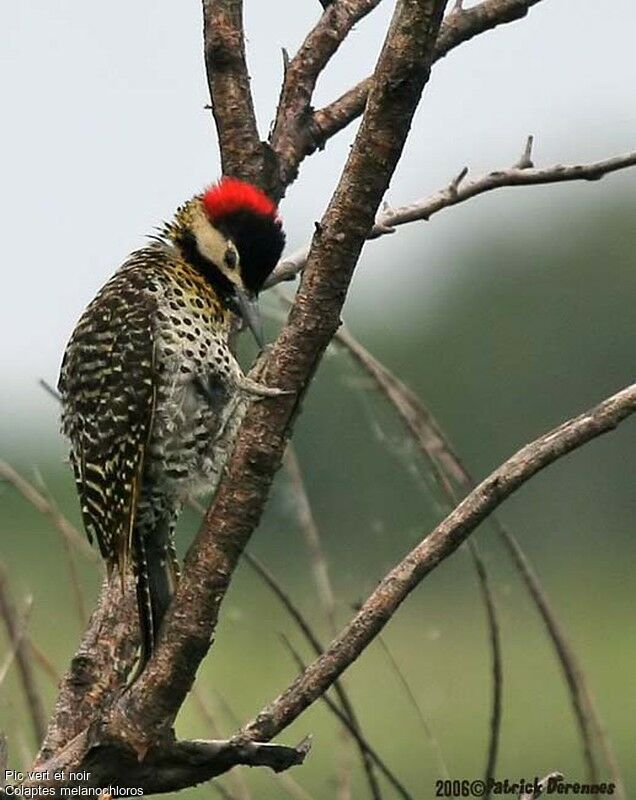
{"points": [[230, 258]]}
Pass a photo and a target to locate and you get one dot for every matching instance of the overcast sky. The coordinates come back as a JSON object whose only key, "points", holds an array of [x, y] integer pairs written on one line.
{"points": [[104, 132]]}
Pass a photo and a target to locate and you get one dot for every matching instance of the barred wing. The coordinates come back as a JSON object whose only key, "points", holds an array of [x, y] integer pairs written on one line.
{"points": [[107, 382]]}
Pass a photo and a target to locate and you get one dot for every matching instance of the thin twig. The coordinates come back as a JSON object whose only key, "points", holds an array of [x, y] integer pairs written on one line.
{"points": [[324, 590], [441, 763], [431, 443], [60, 522], [583, 701], [497, 664], [397, 785], [458, 27], [459, 190], [319, 566], [22, 633], [449, 468], [436, 547], [45, 663], [43, 506], [293, 133], [12, 623], [347, 708]]}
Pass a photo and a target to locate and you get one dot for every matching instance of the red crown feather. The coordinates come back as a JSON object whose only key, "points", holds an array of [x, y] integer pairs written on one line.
{"points": [[230, 195]]}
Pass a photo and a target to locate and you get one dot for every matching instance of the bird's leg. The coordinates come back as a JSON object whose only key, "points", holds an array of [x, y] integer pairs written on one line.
{"points": [[259, 390], [255, 389]]}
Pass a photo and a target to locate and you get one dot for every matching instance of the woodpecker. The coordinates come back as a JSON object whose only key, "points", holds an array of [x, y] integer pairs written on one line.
{"points": [[152, 394]]}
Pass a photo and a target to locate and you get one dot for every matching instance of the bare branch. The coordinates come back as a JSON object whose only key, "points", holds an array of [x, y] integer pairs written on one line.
{"points": [[293, 132], [461, 25], [242, 153], [97, 673], [348, 713], [147, 710], [448, 470], [441, 763], [437, 546], [311, 533], [355, 732], [167, 768], [21, 626], [524, 175], [43, 506], [459, 190], [12, 623]]}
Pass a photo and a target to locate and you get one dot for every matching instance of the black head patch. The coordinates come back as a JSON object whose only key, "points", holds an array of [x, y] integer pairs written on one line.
{"points": [[259, 240]]}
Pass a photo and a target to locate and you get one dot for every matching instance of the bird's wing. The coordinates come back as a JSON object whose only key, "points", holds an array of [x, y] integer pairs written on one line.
{"points": [[108, 387]]}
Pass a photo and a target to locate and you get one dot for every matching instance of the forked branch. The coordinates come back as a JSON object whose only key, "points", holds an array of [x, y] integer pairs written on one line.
{"points": [[293, 134], [461, 25], [147, 710]]}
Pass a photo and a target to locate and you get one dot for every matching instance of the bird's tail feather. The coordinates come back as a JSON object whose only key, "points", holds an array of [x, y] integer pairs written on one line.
{"points": [[155, 580]]}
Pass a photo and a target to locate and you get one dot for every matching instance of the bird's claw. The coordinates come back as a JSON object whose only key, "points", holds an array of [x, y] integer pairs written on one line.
{"points": [[261, 391]]}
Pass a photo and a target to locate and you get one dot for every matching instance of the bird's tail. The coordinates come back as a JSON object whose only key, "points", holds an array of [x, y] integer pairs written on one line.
{"points": [[156, 576]]}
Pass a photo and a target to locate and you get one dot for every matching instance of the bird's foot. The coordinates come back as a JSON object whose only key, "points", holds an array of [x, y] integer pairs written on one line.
{"points": [[259, 390]]}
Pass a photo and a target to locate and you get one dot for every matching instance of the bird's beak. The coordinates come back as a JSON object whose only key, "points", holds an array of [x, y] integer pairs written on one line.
{"points": [[248, 306]]}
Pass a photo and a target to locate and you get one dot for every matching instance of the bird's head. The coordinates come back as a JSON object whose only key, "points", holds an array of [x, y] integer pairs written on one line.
{"points": [[233, 235]]}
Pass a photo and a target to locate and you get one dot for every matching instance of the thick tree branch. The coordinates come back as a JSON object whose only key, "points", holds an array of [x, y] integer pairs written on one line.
{"points": [[97, 673], [293, 132], [147, 710], [243, 155], [523, 173], [461, 25], [169, 767], [438, 545]]}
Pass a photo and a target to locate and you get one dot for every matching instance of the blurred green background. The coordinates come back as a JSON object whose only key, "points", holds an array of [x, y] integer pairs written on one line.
{"points": [[531, 322]]}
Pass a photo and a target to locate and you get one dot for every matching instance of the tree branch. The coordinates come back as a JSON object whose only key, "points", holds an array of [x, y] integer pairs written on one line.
{"points": [[97, 673], [346, 711], [25, 667], [437, 546], [293, 133], [169, 767], [148, 709], [48, 509], [243, 155], [459, 190], [461, 25], [449, 470]]}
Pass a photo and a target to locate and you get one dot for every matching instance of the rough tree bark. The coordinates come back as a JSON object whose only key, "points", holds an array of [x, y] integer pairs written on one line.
{"points": [[124, 736]]}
